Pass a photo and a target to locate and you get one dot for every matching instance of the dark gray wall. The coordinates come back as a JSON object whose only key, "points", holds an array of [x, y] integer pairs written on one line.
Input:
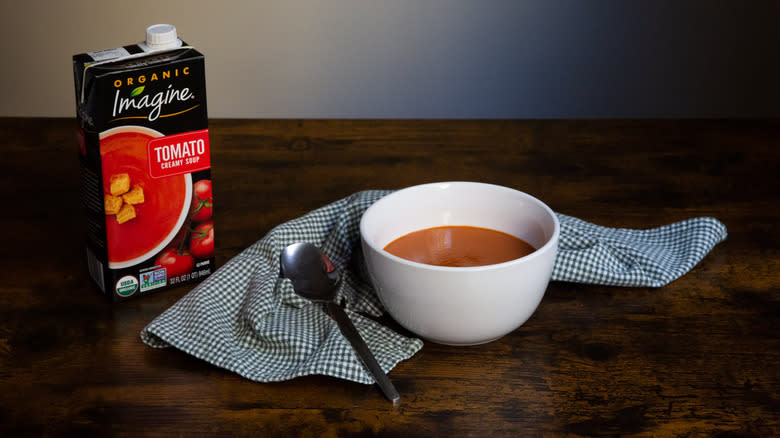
{"points": [[581, 59]]}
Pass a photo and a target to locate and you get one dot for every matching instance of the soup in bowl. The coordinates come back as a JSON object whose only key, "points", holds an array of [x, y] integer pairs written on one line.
{"points": [[477, 298]]}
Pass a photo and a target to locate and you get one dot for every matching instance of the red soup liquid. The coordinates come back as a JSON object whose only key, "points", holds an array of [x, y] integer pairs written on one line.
{"points": [[164, 198], [459, 246]]}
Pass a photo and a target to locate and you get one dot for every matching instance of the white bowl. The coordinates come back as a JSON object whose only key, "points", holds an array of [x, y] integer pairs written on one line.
{"points": [[460, 305]]}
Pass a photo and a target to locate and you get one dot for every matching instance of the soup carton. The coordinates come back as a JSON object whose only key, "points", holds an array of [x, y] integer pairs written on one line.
{"points": [[145, 165]]}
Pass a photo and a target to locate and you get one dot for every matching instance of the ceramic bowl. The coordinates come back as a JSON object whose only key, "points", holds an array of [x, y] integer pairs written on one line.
{"points": [[460, 305]]}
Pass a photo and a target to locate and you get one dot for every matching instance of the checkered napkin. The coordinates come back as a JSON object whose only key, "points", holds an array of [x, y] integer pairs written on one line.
{"points": [[589, 253], [243, 320]]}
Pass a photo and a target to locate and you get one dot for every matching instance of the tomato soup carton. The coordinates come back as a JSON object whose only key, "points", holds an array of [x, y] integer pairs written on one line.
{"points": [[145, 165]]}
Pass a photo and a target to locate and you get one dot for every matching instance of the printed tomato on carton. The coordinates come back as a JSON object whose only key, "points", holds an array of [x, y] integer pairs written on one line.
{"points": [[202, 203], [176, 261], [202, 240]]}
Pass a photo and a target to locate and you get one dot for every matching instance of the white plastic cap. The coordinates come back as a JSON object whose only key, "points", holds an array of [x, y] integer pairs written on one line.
{"points": [[160, 36]]}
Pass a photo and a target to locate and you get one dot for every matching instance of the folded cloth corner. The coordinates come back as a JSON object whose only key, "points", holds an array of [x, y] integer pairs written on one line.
{"points": [[239, 320], [589, 253]]}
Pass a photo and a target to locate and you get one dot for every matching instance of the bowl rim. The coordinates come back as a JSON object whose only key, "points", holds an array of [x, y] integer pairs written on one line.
{"points": [[549, 244]]}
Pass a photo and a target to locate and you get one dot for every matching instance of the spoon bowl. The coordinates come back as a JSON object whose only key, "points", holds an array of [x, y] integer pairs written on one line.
{"points": [[312, 274]]}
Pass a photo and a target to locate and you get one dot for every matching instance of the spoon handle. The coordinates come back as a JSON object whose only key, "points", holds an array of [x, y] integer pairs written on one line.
{"points": [[359, 345]]}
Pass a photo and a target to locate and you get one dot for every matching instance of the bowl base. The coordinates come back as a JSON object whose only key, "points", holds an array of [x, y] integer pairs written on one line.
{"points": [[461, 344]]}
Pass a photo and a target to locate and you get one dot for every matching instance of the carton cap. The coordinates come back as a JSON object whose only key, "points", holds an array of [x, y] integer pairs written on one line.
{"points": [[161, 36]]}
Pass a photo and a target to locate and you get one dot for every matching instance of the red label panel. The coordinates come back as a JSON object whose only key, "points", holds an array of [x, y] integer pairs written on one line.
{"points": [[181, 153]]}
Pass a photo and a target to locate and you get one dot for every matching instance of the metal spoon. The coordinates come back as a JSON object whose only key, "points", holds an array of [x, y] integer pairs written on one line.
{"points": [[315, 278]]}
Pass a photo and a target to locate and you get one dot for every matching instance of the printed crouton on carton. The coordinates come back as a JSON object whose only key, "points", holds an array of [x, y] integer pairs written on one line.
{"points": [[121, 200]]}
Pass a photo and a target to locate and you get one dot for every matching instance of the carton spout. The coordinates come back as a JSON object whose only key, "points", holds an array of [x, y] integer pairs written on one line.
{"points": [[160, 37]]}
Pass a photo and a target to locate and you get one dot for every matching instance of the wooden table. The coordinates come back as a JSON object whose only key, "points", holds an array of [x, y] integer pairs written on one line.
{"points": [[698, 357]]}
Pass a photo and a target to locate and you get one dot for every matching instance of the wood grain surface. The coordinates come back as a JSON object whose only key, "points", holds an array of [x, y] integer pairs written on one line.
{"points": [[698, 357]]}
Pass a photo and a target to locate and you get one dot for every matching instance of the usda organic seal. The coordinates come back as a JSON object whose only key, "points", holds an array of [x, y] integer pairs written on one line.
{"points": [[126, 286]]}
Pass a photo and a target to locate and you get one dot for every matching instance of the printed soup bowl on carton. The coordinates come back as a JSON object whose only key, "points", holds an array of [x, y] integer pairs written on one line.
{"points": [[460, 305]]}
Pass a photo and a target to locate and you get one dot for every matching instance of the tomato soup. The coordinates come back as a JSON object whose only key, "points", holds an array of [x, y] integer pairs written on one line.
{"points": [[163, 205], [459, 246]]}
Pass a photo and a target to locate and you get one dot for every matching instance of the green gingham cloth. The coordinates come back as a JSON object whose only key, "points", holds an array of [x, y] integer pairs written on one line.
{"points": [[243, 320]]}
